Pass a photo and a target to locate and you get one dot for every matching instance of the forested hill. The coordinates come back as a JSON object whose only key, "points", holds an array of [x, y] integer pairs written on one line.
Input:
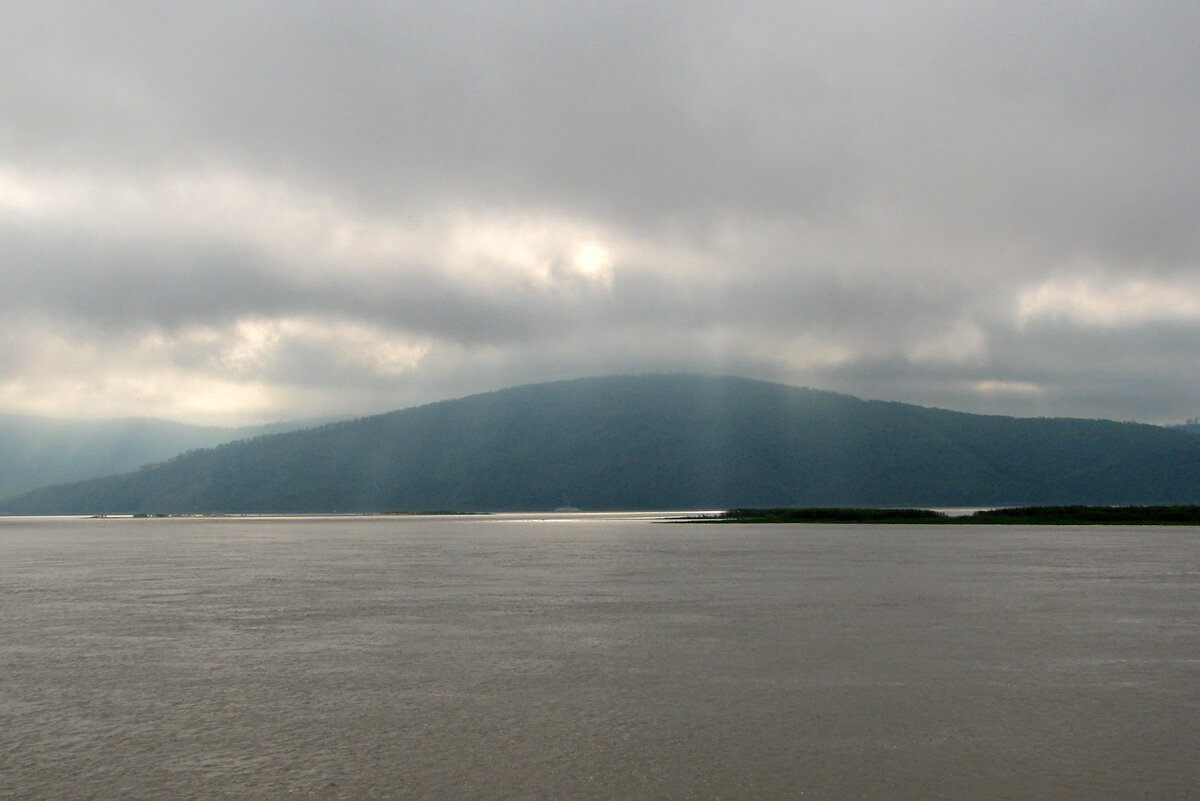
{"points": [[658, 442], [35, 451]]}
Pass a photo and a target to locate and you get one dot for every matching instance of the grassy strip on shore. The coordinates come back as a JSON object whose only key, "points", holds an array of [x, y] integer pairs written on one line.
{"points": [[1025, 515]]}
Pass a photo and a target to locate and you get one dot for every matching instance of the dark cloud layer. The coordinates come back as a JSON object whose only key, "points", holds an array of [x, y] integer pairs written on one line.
{"points": [[283, 209]]}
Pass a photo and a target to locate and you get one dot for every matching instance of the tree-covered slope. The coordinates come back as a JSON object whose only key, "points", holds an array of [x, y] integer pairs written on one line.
{"points": [[658, 442], [35, 451]]}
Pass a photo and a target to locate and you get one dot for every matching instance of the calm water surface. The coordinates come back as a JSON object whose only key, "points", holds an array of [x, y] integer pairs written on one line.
{"points": [[595, 657]]}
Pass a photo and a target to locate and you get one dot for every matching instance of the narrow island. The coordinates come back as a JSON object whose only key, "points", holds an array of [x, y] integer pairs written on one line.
{"points": [[1023, 515]]}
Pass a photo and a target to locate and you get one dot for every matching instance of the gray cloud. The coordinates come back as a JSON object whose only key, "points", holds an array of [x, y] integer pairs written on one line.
{"points": [[353, 205]]}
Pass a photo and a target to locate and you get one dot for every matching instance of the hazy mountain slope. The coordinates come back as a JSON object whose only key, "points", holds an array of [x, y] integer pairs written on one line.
{"points": [[35, 451], [658, 442]]}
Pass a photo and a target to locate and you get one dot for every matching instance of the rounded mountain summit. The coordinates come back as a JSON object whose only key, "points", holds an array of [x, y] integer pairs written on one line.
{"points": [[656, 442]]}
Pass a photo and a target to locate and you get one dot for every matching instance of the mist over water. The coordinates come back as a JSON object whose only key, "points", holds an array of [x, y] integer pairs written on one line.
{"points": [[595, 656]]}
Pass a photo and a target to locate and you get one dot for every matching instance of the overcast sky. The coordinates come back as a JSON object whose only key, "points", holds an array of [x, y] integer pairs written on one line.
{"points": [[249, 211]]}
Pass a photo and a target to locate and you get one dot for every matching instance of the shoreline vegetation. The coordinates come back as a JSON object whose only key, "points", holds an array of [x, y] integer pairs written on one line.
{"points": [[1023, 515], [1176, 515]]}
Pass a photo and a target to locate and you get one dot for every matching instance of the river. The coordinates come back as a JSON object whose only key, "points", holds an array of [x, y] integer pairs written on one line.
{"points": [[595, 656]]}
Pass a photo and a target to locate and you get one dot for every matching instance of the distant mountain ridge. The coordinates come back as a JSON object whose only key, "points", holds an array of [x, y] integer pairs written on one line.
{"points": [[657, 441], [36, 451]]}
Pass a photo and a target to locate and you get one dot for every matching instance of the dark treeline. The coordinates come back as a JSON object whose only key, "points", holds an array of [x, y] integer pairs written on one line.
{"points": [[1026, 515]]}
